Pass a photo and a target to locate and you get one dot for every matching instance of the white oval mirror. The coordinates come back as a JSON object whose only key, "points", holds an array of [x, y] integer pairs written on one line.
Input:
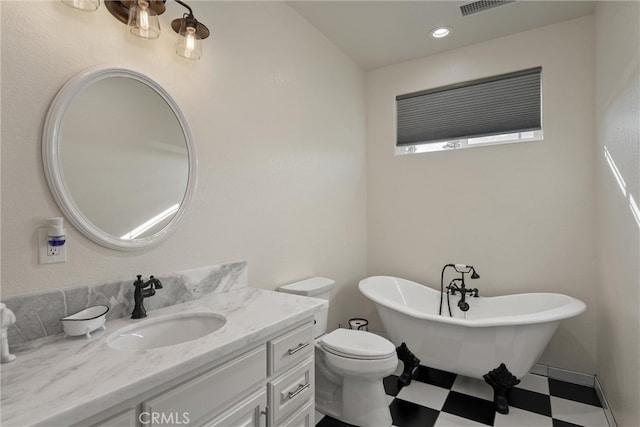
{"points": [[118, 157]]}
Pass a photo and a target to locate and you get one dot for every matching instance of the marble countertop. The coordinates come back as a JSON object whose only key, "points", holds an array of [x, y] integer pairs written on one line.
{"points": [[63, 380]]}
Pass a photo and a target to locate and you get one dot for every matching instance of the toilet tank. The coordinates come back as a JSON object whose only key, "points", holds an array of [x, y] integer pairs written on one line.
{"points": [[315, 287]]}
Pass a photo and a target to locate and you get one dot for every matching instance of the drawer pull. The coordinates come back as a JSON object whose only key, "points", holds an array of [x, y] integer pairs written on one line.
{"points": [[298, 348], [301, 388]]}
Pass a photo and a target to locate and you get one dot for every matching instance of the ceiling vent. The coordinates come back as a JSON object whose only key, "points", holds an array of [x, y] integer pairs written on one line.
{"points": [[482, 5]]}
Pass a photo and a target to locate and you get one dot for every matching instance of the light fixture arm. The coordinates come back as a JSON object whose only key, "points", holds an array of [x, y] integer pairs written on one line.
{"points": [[186, 6], [201, 29]]}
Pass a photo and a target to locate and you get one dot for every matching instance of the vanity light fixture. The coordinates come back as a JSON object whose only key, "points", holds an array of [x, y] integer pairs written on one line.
{"points": [[141, 17], [143, 20], [190, 33], [440, 32]]}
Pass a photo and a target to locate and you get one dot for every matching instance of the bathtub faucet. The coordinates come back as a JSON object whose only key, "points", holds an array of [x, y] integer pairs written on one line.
{"points": [[458, 285], [453, 288]]}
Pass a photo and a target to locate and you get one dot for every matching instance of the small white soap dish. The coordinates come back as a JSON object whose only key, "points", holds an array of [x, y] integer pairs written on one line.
{"points": [[86, 321]]}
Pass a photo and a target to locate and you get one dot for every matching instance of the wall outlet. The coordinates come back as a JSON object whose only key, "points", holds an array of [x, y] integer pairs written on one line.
{"points": [[53, 250], [48, 254]]}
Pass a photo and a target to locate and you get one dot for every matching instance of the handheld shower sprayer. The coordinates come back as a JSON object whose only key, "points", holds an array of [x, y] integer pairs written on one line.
{"points": [[464, 268]]}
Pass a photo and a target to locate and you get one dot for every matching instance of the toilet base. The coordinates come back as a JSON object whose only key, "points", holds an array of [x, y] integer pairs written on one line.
{"points": [[352, 399], [368, 406]]}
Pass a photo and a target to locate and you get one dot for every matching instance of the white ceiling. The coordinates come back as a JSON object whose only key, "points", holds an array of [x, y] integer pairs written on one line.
{"points": [[379, 33]]}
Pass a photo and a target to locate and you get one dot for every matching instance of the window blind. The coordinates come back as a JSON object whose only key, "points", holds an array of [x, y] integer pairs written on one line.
{"points": [[501, 104]]}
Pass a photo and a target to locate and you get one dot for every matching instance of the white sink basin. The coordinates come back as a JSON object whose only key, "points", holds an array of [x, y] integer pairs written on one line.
{"points": [[166, 331]]}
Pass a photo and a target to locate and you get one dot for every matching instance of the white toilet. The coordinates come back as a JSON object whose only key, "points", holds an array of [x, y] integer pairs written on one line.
{"points": [[350, 365]]}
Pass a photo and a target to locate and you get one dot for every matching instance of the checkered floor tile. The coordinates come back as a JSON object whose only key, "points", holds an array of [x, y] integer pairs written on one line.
{"points": [[437, 399]]}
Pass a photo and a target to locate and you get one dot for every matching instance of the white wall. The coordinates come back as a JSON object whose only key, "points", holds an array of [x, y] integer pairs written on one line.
{"points": [[618, 129], [277, 114], [522, 214]]}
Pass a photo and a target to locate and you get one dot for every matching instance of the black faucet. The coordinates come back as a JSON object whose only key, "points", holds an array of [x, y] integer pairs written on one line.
{"points": [[453, 288], [140, 293]]}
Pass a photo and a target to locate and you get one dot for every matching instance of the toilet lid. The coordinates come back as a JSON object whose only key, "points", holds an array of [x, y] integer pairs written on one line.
{"points": [[356, 344]]}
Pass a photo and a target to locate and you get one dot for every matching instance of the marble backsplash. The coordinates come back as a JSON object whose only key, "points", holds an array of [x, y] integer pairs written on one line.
{"points": [[38, 315]]}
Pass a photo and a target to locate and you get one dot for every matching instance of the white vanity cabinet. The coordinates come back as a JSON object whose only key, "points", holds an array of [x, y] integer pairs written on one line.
{"points": [[268, 384]]}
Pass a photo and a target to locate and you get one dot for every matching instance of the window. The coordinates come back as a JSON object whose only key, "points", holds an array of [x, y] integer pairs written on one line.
{"points": [[494, 110]]}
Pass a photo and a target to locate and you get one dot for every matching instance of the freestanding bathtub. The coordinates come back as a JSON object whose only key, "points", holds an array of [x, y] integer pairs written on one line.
{"points": [[513, 330]]}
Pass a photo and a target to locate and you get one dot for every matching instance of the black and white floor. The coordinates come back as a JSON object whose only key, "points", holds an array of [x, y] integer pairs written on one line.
{"points": [[437, 398]]}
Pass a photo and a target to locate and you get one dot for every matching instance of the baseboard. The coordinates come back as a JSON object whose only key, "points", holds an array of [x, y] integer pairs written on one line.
{"points": [[565, 375], [571, 376], [605, 404], [539, 369]]}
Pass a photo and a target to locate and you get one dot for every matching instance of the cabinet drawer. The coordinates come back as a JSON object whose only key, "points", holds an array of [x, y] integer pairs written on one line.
{"points": [[247, 413], [290, 348], [201, 398], [304, 417], [290, 391]]}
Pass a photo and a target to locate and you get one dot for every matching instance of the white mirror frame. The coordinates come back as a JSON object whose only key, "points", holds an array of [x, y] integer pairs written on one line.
{"points": [[51, 158]]}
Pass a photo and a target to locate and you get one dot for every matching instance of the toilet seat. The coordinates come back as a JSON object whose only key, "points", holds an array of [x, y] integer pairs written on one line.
{"points": [[354, 344]]}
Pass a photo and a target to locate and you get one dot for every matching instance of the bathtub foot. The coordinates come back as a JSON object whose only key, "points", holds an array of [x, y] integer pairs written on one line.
{"points": [[409, 361], [502, 381]]}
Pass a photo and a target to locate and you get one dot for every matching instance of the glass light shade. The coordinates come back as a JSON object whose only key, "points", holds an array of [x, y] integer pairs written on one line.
{"points": [[189, 44], [143, 21], [86, 5]]}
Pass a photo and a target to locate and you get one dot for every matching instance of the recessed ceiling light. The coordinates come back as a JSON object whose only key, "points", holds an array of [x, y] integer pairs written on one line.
{"points": [[440, 32]]}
